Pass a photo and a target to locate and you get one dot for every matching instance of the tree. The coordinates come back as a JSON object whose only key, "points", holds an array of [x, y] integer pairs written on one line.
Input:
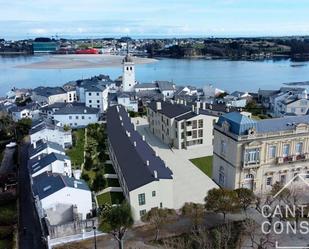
{"points": [[222, 200], [22, 127], [99, 182], [157, 217], [117, 220], [195, 212], [245, 197]]}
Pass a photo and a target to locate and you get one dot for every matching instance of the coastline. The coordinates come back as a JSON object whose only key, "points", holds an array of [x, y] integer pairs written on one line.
{"points": [[74, 61]]}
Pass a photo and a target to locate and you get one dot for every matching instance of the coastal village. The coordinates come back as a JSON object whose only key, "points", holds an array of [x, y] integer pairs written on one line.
{"points": [[96, 144]]}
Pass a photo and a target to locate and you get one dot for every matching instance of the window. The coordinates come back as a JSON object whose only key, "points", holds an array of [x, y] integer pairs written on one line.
{"points": [[182, 125], [200, 133], [200, 123], [153, 193], [194, 124], [182, 135], [90, 101], [98, 94], [269, 181], [293, 110], [76, 117], [161, 205], [142, 212], [83, 117], [286, 150], [70, 117], [272, 151], [89, 94], [90, 105], [299, 148], [221, 176], [194, 134], [223, 147], [98, 101], [141, 199], [252, 155], [98, 106], [189, 133]]}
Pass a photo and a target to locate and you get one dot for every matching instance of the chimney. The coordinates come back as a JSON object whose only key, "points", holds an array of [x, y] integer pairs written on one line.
{"points": [[147, 162], [75, 184], [156, 154], [34, 145], [185, 102], [193, 108], [134, 143], [204, 105], [143, 137], [158, 106], [172, 101], [197, 110], [120, 118], [85, 111], [117, 107], [155, 174], [210, 107]]}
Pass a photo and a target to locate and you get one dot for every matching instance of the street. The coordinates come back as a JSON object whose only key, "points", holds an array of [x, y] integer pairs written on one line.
{"points": [[30, 234]]}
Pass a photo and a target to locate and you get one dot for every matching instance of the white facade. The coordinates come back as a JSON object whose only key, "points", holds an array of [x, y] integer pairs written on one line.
{"points": [[18, 115], [128, 103], [74, 196], [64, 138], [71, 96], [157, 194], [47, 151], [76, 120], [62, 97], [97, 99], [128, 76], [58, 166]]}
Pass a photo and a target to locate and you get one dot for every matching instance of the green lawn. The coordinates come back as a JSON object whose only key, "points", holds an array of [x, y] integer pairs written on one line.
{"points": [[110, 198], [204, 164], [76, 153]]}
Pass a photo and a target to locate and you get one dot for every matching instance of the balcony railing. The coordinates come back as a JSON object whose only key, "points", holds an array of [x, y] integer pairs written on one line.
{"points": [[293, 158]]}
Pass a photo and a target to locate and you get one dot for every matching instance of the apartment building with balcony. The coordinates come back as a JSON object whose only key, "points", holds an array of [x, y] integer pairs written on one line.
{"points": [[256, 154], [181, 126]]}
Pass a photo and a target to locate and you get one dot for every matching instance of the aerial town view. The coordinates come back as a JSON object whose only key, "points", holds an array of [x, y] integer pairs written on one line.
{"points": [[154, 124]]}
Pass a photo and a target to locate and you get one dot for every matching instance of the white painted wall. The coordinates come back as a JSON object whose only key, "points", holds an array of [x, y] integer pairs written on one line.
{"points": [[63, 138], [128, 77], [61, 167], [76, 120]]}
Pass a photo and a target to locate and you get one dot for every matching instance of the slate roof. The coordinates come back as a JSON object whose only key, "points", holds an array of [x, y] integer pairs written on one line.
{"points": [[186, 116], [48, 91], [165, 85], [43, 125], [76, 109], [239, 124], [133, 159], [36, 164], [170, 110], [146, 85], [58, 105], [41, 145], [47, 184], [31, 106]]}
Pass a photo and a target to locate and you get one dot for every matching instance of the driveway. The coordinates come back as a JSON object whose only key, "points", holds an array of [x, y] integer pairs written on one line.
{"points": [[190, 183]]}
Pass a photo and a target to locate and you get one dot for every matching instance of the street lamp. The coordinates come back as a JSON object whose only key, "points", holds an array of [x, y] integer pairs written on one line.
{"points": [[95, 239]]}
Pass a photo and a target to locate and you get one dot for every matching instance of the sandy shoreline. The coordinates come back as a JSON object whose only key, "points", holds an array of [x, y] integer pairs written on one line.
{"points": [[82, 61]]}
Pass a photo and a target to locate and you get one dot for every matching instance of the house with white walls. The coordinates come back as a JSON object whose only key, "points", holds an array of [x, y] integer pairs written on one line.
{"points": [[53, 162], [76, 116], [144, 178], [52, 190], [49, 95], [44, 147]]}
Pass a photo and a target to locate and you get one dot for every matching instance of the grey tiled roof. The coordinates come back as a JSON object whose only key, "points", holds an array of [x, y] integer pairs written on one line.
{"points": [[170, 110], [146, 85], [133, 159], [36, 164], [76, 109], [41, 145], [47, 184], [48, 91], [165, 85]]}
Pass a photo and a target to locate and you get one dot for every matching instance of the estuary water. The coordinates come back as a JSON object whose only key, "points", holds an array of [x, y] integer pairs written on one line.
{"points": [[225, 74]]}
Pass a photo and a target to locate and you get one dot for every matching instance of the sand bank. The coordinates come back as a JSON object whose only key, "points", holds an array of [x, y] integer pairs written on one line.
{"points": [[82, 61]]}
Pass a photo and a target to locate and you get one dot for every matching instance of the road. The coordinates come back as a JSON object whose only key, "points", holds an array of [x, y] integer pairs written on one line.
{"points": [[29, 225]]}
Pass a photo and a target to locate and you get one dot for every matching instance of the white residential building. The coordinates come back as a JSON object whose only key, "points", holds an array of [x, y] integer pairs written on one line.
{"points": [[166, 88], [44, 147], [181, 126], [146, 181], [53, 162], [128, 100], [29, 111], [43, 130], [76, 116], [49, 95], [54, 189]]}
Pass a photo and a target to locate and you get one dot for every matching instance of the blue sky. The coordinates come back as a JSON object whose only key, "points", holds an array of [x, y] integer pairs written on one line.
{"points": [[148, 18]]}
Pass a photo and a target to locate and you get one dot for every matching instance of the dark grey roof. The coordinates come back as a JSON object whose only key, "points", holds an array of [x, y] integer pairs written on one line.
{"points": [[126, 94], [47, 183], [31, 106], [133, 159], [146, 85], [76, 109], [186, 116], [48, 91], [59, 105], [42, 145], [44, 125], [94, 88], [239, 124], [165, 85], [36, 164], [170, 110]]}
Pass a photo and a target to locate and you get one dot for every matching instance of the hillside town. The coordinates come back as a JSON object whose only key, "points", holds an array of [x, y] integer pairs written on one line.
{"points": [[93, 143]]}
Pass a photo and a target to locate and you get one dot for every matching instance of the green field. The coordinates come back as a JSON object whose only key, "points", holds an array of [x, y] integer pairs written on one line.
{"points": [[204, 164], [76, 153]]}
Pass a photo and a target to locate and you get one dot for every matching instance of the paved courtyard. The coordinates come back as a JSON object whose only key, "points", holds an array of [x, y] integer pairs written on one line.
{"points": [[190, 183]]}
